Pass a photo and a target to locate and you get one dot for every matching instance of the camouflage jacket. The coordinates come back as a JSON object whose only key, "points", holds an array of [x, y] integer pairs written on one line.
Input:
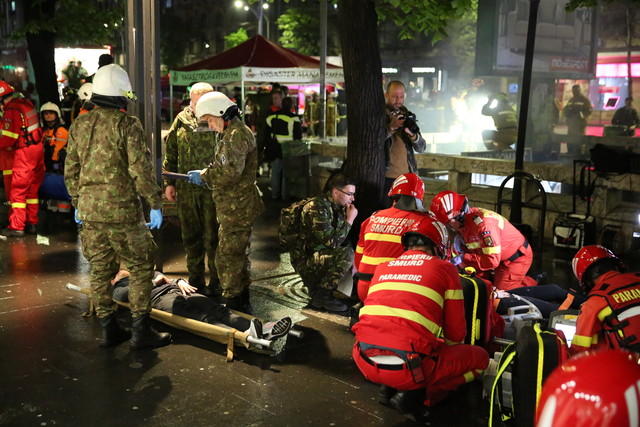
{"points": [[185, 148], [232, 174], [323, 225], [108, 166]]}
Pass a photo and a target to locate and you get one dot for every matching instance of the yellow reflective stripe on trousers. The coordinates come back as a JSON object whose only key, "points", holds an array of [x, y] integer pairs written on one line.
{"points": [[455, 294], [581, 341], [32, 201], [359, 249], [408, 287], [18, 205], [7, 172], [383, 237], [383, 310], [373, 260], [491, 250], [5, 132]]}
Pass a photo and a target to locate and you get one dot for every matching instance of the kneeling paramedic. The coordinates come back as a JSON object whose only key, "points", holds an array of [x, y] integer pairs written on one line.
{"points": [[610, 317], [413, 321]]}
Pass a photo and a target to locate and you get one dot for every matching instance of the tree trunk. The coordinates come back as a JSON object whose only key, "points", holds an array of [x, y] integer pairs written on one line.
{"points": [[365, 102], [41, 47]]}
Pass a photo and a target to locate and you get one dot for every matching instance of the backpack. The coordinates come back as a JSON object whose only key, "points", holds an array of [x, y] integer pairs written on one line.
{"points": [[483, 323], [523, 367], [290, 224]]}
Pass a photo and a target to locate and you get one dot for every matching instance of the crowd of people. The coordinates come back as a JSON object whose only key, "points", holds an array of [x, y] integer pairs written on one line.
{"points": [[410, 323]]}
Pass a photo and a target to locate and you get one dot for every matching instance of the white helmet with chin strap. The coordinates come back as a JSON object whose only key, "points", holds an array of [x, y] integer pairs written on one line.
{"points": [[85, 91], [217, 104], [112, 80], [50, 106]]}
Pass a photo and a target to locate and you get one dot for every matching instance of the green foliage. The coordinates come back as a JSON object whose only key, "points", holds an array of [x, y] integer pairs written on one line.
{"points": [[429, 17], [76, 22], [300, 31], [460, 46], [235, 38]]}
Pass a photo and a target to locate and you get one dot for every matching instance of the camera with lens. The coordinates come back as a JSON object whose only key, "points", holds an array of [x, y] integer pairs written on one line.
{"points": [[410, 120]]}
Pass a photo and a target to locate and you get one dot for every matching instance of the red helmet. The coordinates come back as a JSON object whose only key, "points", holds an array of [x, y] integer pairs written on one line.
{"points": [[431, 229], [408, 184], [5, 89], [448, 205], [586, 257], [592, 389]]}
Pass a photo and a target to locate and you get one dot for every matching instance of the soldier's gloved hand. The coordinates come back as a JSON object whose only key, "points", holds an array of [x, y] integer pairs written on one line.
{"points": [[195, 177], [155, 219], [76, 217]]}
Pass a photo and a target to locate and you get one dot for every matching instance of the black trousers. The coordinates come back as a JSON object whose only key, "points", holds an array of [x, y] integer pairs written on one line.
{"points": [[199, 307], [546, 297]]}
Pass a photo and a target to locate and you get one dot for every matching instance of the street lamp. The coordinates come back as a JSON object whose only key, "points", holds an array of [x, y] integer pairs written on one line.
{"points": [[257, 10]]}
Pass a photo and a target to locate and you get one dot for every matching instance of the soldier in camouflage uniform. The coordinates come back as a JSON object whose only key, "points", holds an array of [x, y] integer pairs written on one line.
{"points": [[108, 167], [187, 149], [322, 255], [232, 177]]}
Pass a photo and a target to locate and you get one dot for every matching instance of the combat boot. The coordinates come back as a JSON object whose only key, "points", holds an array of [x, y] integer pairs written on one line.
{"points": [[112, 333], [323, 299], [144, 336]]}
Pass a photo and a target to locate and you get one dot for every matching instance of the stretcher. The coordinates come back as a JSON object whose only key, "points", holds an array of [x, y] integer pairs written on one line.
{"points": [[218, 332]]}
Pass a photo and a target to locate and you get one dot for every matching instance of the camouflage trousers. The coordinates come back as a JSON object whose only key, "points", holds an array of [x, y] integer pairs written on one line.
{"points": [[324, 268], [232, 257], [199, 229], [108, 247]]}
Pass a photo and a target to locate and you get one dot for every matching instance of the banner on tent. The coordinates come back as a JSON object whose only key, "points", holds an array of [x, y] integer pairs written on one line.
{"points": [[256, 74], [185, 78]]}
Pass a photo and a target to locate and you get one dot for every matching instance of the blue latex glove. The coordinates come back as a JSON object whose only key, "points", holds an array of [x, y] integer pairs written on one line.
{"points": [[76, 217], [458, 244], [195, 177], [155, 219], [456, 260]]}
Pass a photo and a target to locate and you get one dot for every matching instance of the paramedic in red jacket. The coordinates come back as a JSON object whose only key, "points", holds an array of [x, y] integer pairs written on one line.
{"points": [[380, 234], [610, 317], [489, 241], [413, 323], [21, 133]]}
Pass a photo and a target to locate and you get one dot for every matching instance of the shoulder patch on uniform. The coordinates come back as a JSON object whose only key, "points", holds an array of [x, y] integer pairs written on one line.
{"points": [[477, 220], [488, 240]]}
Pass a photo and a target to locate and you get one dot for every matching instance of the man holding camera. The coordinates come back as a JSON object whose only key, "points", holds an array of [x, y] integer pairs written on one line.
{"points": [[403, 137]]}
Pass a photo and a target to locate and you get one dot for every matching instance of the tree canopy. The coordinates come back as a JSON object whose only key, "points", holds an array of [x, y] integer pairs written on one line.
{"points": [[235, 38]]}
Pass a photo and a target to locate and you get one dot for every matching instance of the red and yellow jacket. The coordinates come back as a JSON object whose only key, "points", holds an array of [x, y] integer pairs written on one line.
{"points": [[489, 239], [20, 125], [56, 138], [415, 303], [380, 241], [614, 298]]}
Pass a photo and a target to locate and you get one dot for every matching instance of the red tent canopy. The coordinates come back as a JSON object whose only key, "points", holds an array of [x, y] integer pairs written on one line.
{"points": [[256, 52]]}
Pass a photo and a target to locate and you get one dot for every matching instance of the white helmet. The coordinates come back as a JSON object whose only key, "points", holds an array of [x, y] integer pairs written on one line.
{"points": [[84, 93], [112, 80], [217, 104], [200, 88], [50, 106]]}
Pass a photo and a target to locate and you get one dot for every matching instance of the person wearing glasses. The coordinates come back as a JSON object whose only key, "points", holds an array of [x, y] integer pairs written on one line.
{"points": [[322, 255]]}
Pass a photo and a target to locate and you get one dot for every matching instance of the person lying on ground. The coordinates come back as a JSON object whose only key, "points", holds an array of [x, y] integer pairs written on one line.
{"points": [[178, 297]]}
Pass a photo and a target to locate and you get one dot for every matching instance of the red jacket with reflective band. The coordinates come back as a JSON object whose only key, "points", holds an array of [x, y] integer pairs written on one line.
{"points": [[20, 125], [616, 294], [489, 238], [413, 303], [380, 237]]}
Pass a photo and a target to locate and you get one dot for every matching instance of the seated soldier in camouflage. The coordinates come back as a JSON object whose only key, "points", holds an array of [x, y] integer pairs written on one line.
{"points": [[179, 297], [322, 255]]}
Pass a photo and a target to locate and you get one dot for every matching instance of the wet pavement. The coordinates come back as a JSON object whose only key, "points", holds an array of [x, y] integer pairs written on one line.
{"points": [[52, 371]]}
